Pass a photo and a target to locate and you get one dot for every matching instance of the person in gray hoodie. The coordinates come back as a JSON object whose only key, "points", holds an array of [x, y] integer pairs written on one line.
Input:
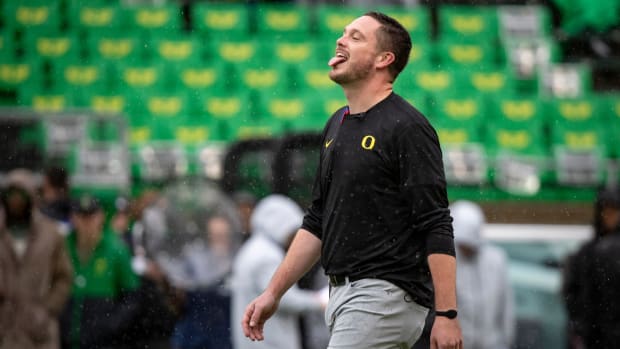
{"points": [[484, 293], [274, 222]]}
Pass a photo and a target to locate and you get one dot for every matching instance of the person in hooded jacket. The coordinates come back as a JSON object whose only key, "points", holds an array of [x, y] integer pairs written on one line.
{"points": [[589, 279], [273, 223], [483, 290], [35, 271]]}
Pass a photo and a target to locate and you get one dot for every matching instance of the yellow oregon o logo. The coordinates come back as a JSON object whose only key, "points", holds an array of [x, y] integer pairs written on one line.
{"points": [[368, 142]]}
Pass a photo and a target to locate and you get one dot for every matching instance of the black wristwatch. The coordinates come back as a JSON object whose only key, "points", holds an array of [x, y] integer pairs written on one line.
{"points": [[450, 313]]}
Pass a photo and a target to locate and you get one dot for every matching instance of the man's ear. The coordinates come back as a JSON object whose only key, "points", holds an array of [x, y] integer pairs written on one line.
{"points": [[384, 59]]}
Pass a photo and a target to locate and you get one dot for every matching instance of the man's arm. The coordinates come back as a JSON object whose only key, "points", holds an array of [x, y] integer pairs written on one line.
{"points": [[446, 333], [301, 256]]}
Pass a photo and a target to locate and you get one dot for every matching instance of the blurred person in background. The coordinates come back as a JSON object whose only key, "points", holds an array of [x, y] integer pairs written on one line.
{"points": [[274, 223], [104, 300], [588, 279], [55, 200], [35, 272], [245, 203], [205, 318], [483, 289]]}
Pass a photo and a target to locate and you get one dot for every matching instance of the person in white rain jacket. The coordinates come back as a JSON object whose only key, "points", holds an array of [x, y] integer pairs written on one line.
{"points": [[274, 222], [484, 293]]}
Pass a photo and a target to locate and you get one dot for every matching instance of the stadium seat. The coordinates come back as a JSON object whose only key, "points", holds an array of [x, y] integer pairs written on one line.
{"points": [[477, 23], [428, 81], [163, 20], [86, 17], [565, 80], [224, 109], [458, 121], [283, 21], [459, 55], [236, 52], [516, 126], [39, 43], [255, 77], [197, 79], [524, 56], [524, 21], [489, 83], [415, 19], [79, 78], [222, 21], [32, 14], [45, 100], [106, 102], [137, 78], [16, 73], [578, 140], [116, 47], [179, 50], [332, 19]]}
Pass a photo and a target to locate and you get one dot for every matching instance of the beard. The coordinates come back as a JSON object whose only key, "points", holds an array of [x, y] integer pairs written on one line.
{"points": [[356, 72]]}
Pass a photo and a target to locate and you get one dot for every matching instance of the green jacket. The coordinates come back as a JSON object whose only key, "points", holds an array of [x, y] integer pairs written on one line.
{"points": [[103, 300]]}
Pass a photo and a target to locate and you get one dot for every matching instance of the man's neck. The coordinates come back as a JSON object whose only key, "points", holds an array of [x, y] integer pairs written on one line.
{"points": [[364, 95]]}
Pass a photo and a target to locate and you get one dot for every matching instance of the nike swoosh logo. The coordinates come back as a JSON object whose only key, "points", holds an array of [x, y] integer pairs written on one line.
{"points": [[328, 143]]}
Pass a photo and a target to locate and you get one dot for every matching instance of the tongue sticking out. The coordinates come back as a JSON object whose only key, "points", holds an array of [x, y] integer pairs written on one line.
{"points": [[336, 60]]}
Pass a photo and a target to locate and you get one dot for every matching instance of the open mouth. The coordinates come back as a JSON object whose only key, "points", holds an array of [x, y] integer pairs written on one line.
{"points": [[337, 59]]}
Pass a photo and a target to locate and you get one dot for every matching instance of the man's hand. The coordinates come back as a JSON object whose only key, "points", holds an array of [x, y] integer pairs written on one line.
{"points": [[256, 314], [446, 334]]}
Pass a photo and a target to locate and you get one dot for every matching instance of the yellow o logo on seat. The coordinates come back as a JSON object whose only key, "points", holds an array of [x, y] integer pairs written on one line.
{"points": [[368, 142]]}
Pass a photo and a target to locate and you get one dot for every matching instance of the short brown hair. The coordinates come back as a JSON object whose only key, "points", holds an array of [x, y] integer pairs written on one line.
{"points": [[393, 37]]}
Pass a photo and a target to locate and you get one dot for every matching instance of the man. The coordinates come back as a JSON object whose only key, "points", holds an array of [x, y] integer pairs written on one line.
{"points": [[274, 223], [35, 273], [582, 289], [379, 219], [103, 302], [483, 289], [55, 202]]}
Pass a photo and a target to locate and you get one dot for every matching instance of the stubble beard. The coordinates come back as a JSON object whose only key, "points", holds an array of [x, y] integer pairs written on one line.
{"points": [[354, 73]]}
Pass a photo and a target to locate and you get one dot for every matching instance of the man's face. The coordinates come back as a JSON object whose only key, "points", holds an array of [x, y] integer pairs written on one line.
{"points": [[91, 223], [356, 51]]}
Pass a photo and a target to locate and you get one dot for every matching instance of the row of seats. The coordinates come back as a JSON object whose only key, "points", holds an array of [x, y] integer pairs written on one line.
{"points": [[124, 47], [528, 126], [240, 20]]}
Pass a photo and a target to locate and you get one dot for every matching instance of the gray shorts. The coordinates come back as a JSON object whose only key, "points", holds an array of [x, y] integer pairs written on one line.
{"points": [[373, 314]]}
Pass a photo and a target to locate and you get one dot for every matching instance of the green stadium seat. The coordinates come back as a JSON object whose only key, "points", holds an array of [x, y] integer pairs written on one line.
{"points": [[296, 112], [16, 73], [415, 19], [171, 106], [31, 14], [136, 78], [490, 83], [457, 54], [315, 78], [578, 138], [255, 77], [430, 81], [199, 78], [296, 52], [283, 21], [223, 109], [222, 21], [163, 20], [39, 43], [236, 52], [459, 111], [331, 19], [79, 78], [115, 47], [421, 55], [516, 127], [181, 50], [45, 101], [95, 16], [468, 23], [193, 132], [106, 102]]}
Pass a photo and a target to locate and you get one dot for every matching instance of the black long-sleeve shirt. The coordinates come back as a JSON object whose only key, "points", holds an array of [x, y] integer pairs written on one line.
{"points": [[379, 201]]}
